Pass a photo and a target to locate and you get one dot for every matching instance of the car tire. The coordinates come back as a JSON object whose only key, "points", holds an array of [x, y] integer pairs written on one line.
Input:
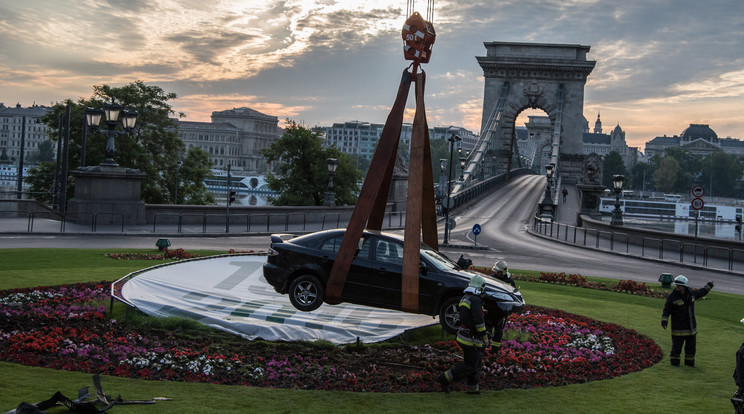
{"points": [[449, 317], [306, 293]]}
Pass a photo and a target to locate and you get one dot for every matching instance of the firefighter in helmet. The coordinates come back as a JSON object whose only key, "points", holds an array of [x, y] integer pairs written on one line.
{"points": [[680, 306], [738, 399], [473, 337]]}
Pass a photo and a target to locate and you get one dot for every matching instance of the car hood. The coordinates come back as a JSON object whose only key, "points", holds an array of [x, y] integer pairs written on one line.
{"points": [[508, 298]]}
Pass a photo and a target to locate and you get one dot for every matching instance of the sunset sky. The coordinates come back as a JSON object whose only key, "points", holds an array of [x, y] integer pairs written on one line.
{"points": [[661, 64]]}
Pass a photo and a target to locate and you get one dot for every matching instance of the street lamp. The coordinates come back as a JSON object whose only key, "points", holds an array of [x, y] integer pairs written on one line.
{"points": [[178, 180], [462, 168], [549, 169], [617, 214], [112, 112], [330, 196], [448, 202]]}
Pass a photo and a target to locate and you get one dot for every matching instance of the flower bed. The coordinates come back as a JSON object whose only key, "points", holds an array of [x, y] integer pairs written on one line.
{"points": [[58, 327], [623, 286]]}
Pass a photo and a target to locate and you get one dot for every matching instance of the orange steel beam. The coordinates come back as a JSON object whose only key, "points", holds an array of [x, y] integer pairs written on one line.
{"points": [[373, 195]]}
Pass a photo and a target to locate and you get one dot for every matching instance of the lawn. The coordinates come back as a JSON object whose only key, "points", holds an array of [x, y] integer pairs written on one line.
{"points": [[661, 388]]}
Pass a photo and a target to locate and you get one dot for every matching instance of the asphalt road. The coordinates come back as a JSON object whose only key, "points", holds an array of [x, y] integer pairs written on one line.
{"points": [[504, 217]]}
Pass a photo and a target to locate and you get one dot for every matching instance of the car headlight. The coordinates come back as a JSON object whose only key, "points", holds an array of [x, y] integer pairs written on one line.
{"points": [[499, 295]]}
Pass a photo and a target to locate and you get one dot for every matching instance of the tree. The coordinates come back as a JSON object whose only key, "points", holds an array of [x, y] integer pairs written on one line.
{"points": [[721, 175], [44, 152], [302, 178], [191, 175], [641, 174], [612, 164], [666, 174], [40, 180], [154, 147]]}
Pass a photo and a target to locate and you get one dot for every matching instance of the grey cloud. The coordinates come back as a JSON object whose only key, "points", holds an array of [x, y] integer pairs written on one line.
{"points": [[206, 45]]}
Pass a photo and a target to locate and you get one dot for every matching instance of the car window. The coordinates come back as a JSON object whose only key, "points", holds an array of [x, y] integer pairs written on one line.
{"points": [[389, 252], [437, 259], [333, 245]]}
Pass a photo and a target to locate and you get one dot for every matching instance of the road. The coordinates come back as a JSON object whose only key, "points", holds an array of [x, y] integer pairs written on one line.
{"points": [[504, 217]]}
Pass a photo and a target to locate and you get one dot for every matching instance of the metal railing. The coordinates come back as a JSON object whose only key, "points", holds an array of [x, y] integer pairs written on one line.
{"points": [[668, 249]]}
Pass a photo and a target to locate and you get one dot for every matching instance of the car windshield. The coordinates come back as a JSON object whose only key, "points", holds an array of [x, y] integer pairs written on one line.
{"points": [[437, 259]]}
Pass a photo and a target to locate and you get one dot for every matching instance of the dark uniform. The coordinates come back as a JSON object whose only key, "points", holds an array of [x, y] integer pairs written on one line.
{"points": [[681, 307], [498, 333], [738, 399], [473, 338]]}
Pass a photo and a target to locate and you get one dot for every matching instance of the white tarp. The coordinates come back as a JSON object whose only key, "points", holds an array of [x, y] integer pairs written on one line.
{"points": [[230, 293]]}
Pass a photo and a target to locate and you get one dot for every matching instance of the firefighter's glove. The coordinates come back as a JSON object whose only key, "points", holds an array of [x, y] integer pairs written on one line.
{"points": [[664, 324], [486, 341]]}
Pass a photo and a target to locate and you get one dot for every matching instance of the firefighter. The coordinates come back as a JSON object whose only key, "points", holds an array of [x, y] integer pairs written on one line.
{"points": [[473, 337], [500, 271], [738, 399], [680, 305]]}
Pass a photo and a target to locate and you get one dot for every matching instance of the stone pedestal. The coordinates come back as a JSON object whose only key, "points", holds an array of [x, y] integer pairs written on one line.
{"points": [[108, 195], [590, 194]]}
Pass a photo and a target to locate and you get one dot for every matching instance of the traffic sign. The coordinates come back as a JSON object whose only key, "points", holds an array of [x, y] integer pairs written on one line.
{"points": [[698, 191], [448, 202], [697, 203], [451, 223], [476, 229]]}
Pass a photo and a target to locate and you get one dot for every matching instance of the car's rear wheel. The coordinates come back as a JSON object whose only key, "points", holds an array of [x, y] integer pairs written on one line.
{"points": [[306, 293], [449, 317]]}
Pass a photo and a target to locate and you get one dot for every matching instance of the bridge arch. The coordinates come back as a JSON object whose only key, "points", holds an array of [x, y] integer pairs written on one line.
{"points": [[550, 77]]}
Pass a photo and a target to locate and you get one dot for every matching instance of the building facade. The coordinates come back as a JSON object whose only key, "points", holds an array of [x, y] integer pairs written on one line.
{"points": [[360, 138], [12, 129], [235, 137], [697, 139]]}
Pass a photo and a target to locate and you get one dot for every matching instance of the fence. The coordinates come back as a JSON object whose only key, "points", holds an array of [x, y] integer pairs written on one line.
{"points": [[73, 221], [720, 257]]}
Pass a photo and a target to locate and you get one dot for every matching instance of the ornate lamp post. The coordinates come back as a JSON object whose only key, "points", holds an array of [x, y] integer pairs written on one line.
{"points": [[330, 195], [112, 111], [617, 213], [463, 160], [549, 169], [448, 201]]}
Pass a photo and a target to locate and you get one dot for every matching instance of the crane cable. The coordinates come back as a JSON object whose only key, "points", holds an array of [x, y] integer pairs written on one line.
{"points": [[411, 7]]}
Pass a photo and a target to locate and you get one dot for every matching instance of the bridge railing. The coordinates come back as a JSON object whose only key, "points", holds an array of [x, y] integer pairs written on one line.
{"points": [[478, 189], [729, 258]]}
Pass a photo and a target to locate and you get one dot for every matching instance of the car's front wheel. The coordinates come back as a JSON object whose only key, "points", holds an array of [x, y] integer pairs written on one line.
{"points": [[449, 317], [306, 293]]}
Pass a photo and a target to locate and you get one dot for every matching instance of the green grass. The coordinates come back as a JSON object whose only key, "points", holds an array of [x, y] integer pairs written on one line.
{"points": [[661, 388]]}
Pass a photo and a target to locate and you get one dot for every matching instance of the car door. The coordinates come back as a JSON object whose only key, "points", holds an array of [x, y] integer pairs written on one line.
{"points": [[384, 282], [361, 266]]}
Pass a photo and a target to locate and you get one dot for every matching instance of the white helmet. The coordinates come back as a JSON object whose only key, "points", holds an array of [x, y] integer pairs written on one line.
{"points": [[500, 266], [477, 282], [680, 281]]}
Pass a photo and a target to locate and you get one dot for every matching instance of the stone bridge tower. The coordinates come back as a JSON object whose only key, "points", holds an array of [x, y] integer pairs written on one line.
{"points": [[550, 77]]}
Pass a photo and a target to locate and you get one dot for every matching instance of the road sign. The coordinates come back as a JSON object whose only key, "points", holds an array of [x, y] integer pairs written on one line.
{"points": [[476, 229], [697, 203], [448, 202], [698, 191], [451, 223]]}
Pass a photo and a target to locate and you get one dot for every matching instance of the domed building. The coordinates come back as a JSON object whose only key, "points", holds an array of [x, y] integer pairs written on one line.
{"points": [[697, 139]]}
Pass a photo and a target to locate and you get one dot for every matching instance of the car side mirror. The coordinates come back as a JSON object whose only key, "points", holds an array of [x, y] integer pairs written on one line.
{"points": [[422, 267]]}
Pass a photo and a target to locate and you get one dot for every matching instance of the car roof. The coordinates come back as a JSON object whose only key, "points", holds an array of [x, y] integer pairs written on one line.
{"points": [[332, 232]]}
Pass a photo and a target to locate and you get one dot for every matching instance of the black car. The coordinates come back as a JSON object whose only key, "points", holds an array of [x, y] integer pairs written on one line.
{"points": [[301, 266]]}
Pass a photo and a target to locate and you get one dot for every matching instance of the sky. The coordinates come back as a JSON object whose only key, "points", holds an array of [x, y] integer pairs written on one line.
{"points": [[661, 64]]}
